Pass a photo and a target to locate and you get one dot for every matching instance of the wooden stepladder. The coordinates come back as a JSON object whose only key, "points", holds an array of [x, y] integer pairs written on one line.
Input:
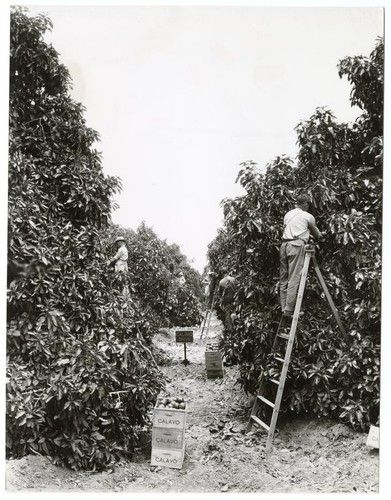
{"points": [[208, 316], [271, 389]]}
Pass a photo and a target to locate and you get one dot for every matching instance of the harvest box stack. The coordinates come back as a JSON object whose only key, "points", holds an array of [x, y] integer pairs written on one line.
{"points": [[213, 361], [168, 432]]}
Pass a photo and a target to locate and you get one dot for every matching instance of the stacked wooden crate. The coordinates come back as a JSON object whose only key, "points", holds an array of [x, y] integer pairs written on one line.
{"points": [[213, 361], [168, 432]]}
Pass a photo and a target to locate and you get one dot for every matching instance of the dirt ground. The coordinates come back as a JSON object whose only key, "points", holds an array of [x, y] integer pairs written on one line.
{"points": [[308, 455]]}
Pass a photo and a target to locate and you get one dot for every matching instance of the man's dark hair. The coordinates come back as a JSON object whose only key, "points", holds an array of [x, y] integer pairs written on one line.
{"points": [[303, 198]]}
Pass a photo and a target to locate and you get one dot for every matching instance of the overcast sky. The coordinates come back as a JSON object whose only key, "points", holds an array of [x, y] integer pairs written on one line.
{"points": [[182, 95]]}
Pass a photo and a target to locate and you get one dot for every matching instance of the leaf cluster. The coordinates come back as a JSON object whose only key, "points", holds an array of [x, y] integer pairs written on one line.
{"points": [[154, 277]]}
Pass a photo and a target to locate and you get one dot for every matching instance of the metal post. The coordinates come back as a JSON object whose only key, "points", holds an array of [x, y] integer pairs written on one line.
{"points": [[208, 318], [185, 361]]}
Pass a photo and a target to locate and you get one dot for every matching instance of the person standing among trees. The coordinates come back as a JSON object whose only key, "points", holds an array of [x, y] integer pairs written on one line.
{"points": [[181, 279], [299, 226], [205, 282], [120, 261], [181, 291], [226, 291], [209, 290]]}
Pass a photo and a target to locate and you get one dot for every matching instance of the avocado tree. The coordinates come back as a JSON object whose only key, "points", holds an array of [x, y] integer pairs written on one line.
{"points": [[340, 165], [80, 373]]}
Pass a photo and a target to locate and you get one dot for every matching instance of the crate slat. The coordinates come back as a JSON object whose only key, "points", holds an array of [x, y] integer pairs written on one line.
{"points": [[169, 418], [168, 458], [165, 438], [214, 374]]}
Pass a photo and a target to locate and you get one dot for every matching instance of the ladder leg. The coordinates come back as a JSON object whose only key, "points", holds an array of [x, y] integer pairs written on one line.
{"points": [[309, 255], [288, 352], [280, 325], [256, 404], [300, 293], [328, 296], [204, 321], [284, 371], [254, 411], [207, 328], [210, 316]]}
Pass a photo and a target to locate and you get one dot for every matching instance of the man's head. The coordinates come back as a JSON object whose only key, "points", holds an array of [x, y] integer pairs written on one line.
{"points": [[120, 241], [303, 201], [224, 268]]}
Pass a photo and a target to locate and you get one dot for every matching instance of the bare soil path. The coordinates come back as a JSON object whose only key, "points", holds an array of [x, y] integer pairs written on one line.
{"points": [[309, 455]]}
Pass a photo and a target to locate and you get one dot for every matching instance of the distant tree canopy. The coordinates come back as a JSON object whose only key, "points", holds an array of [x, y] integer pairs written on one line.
{"points": [[340, 165], [81, 376], [154, 270]]}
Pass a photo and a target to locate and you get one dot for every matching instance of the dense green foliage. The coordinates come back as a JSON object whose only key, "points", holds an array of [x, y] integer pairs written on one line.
{"points": [[154, 277], [340, 165], [81, 376]]}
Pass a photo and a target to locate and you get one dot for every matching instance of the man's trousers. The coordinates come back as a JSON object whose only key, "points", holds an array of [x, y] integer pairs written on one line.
{"points": [[291, 265]]}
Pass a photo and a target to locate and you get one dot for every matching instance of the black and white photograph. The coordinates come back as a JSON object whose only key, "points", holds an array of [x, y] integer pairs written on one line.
{"points": [[194, 248]]}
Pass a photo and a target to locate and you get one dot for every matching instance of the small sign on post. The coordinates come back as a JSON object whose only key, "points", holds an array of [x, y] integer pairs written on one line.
{"points": [[185, 337]]}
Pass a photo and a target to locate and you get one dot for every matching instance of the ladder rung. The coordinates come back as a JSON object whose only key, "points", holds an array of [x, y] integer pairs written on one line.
{"points": [[260, 422], [279, 359], [274, 381], [283, 335], [266, 401]]}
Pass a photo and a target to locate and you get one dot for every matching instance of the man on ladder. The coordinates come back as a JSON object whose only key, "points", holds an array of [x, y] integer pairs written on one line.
{"points": [[299, 225], [210, 297], [295, 257], [226, 291]]}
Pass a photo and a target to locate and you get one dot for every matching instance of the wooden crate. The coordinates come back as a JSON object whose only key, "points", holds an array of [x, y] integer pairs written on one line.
{"points": [[169, 418], [373, 437], [213, 360], [168, 437], [165, 438], [168, 458]]}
